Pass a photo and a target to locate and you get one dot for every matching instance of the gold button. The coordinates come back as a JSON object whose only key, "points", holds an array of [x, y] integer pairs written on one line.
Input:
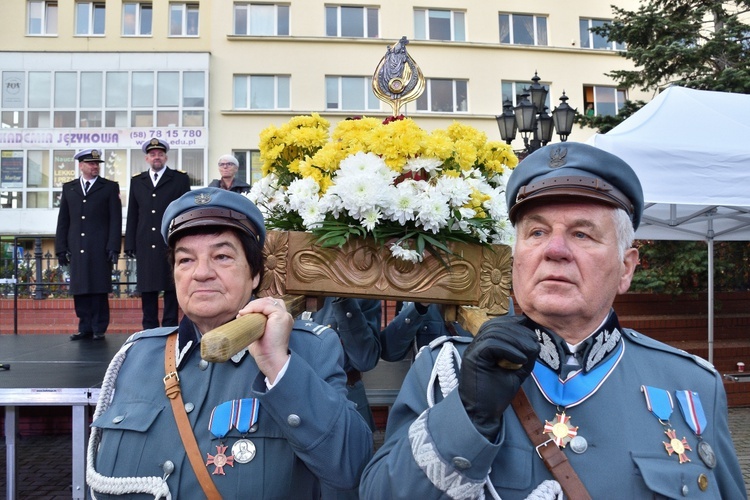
{"points": [[703, 482]]}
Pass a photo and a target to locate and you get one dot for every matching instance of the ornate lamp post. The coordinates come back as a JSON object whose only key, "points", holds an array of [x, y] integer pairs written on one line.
{"points": [[530, 117]]}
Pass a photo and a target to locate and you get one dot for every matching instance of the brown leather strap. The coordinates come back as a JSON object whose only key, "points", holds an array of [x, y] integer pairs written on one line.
{"points": [[552, 456], [172, 389]]}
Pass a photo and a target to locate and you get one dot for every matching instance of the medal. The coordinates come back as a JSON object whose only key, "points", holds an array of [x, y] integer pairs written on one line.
{"points": [[219, 424], [245, 420], [560, 431], [659, 403], [692, 411], [219, 460], [243, 451]]}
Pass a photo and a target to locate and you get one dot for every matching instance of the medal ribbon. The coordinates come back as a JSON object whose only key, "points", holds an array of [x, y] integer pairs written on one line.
{"points": [[221, 419], [659, 402], [692, 410], [246, 415], [577, 388]]}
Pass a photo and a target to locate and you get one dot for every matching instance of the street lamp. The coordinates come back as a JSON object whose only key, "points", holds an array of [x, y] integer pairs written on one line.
{"points": [[530, 117]]}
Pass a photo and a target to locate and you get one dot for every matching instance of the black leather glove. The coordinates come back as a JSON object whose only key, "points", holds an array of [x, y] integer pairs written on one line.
{"points": [[130, 254], [62, 258], [494, 365], [113, 256]]}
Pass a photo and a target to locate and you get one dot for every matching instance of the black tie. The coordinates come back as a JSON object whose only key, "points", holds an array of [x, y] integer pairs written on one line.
{"points": [[156, 177], [86, 187]]}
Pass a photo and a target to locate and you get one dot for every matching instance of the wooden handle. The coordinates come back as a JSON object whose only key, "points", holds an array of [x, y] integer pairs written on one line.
{"points": [[223, 342]]}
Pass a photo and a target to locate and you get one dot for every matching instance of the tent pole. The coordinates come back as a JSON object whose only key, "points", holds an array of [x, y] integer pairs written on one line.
{"points": [[711, 300]]}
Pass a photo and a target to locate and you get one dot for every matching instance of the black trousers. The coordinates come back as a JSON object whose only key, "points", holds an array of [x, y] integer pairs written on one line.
{"points": [[92, 310], [150, 308]]}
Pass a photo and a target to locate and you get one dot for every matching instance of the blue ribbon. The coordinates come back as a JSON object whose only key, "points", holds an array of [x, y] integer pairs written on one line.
{"points": [[577, 388], [692, 410], [658, 401]]}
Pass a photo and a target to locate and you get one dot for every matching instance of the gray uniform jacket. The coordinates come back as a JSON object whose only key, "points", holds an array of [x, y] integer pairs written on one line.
{"points": [[410, 331], [438, 453], [146, 206], [307, 433], [357, 321], [88, 227]]}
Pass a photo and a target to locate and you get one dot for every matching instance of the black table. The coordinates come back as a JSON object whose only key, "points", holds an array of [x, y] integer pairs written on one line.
{"points": [[51, 370]]}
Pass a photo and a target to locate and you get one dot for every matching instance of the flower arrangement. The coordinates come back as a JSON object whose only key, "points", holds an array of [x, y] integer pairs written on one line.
{"points": [[392, 180]]}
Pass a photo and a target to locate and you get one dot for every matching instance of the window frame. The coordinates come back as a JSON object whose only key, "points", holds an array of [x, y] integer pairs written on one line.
{"points": [[511, 32], [248, 92], [366, 12], [277, 18], [591, 96], [424, 30], [427, 96], [92, 22], [138, 21], [46, 19], [371, 102], [591, 41], [185, 10]]}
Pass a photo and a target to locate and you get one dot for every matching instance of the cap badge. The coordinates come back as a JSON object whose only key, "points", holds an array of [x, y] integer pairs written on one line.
{"points": [[95, 154], [557, 157], [202, 199], [154, 142]]}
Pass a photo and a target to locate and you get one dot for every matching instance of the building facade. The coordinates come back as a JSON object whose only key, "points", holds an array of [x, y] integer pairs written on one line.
{"points": [[208, 76]]}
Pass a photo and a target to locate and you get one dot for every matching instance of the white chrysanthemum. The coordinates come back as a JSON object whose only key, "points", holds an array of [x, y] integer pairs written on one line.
{"points": [[312, 216], [433, 210], [403, 202], [456, 189], [301, 192], [405, 254], [361, 190], [370, 219], [365, 164], [422, 164]]}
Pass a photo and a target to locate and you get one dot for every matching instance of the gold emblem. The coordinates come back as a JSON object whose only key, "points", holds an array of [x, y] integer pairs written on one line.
{"points": [[557, 157], [95, 154], [677, 446], [560, 431], [202, 199]]}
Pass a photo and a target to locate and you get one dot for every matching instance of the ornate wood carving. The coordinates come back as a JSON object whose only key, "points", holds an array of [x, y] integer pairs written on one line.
{"points": [[476, 275]]}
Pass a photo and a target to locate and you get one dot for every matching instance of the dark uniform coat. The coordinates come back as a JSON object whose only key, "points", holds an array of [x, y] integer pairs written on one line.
{"points": [[88, 227], [437, 452], [146, 206], [307, 433], [238, 186]]}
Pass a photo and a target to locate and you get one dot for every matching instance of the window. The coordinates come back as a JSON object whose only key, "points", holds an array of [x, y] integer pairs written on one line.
{"points": [[357, 22], [591, 40], [90, 18], [183, 19], [523, 29], [136, 19], [607, 101], [250, 168], [444, 96], [350, 93], [439, 25], [261, 19], [42, 18], [261, 92]]}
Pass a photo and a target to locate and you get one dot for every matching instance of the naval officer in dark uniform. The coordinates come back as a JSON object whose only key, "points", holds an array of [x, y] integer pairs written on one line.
{"points": [[602, 411], [272, 422], [88, 234], [150, 194]]}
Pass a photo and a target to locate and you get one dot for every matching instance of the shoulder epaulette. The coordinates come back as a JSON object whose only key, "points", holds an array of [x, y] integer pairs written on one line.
{"points": [[162, 331], [449, 338], [310, 326], [650, 343]]}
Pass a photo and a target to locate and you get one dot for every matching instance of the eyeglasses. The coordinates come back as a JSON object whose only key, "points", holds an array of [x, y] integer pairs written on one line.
{"points": [[226, 165]]}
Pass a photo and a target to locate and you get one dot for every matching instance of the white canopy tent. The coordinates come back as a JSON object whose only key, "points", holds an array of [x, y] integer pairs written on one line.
{"points": [[691, 151]]}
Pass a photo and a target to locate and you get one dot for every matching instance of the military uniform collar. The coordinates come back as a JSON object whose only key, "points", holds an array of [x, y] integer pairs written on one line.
{"points": [[598, 347]]}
